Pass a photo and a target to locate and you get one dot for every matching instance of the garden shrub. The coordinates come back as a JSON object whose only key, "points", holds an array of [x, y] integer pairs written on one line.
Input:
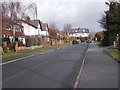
{"points": [[32, 41], [6, 49], [39, 41], [35, 41], [6, 40], [29, 41]]}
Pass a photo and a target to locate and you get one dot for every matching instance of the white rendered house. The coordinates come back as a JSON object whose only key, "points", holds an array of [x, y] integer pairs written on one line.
{"points": [[80, 32]]}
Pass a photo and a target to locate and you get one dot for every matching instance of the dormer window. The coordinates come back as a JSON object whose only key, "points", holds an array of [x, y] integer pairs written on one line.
{"points": [[7, 28]]}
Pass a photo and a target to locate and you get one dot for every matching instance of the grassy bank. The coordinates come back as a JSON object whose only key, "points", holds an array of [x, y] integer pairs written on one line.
{"points": [[47, 47], [114, 52], [9, 54]]}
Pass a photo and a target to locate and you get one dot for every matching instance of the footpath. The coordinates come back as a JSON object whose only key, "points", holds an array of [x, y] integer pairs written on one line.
{"points": [[99, 70]]}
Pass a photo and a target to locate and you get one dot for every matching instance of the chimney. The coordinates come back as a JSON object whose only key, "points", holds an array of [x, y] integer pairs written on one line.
{"points": [[28, 19]]}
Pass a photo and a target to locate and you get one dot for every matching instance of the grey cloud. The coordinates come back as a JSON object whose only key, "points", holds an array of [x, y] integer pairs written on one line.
{"points": [[79, 14]]}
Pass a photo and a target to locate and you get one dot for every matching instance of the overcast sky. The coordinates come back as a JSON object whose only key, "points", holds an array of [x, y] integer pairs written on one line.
{"points": [[76, 12], [79, 13]]}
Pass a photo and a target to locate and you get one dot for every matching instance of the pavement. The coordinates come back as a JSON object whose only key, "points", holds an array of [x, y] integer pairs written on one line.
{"points": [[100, 70]]}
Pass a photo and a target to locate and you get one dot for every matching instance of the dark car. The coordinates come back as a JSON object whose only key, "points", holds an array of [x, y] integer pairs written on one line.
{"points": [[74, 42], [88, 41], [82, 40]]}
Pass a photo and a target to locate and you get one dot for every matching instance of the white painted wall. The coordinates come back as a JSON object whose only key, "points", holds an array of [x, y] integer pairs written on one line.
{"points": [[80, 35], [29, 30], [44, 33]]}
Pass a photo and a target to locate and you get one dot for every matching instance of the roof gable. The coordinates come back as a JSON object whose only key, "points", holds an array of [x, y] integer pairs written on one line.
{"points": [[44, 26]]}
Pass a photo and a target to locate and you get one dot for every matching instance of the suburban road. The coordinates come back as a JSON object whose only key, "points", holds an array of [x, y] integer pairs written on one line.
{"points": [[57, 68]]}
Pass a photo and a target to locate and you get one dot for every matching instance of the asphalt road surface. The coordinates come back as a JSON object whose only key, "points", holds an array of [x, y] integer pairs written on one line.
{"points": [[54, 69]]}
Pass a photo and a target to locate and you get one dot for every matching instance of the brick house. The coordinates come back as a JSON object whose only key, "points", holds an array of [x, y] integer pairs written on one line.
{"points": [[11, 30]]}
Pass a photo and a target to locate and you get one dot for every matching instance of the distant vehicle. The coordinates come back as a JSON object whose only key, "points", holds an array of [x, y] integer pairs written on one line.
{"points": [[82, 40], [74, 42], [89, 41]]}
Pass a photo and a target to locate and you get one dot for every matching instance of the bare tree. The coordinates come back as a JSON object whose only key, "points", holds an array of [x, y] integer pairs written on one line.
{"points": [[12, 10], [102, 22], [53, 30], [53, 25], [67, 28]]}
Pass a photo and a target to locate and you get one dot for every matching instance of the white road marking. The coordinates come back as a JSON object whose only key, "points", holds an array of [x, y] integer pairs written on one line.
{"points": [[25, 57], [16, 60], [80, 72]]}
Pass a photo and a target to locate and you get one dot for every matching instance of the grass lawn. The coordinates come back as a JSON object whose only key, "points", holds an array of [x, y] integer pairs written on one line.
{"points": [[114, 52], [32, 50], [46, 47], [9, 54]]}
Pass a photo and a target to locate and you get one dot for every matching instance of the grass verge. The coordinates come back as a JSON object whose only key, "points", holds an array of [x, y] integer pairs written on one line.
{"points": [[9, 54], [47, 47], [114, 52], [25, 51]]}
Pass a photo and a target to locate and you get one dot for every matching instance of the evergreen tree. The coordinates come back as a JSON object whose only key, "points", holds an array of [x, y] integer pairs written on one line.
{"points": [[111, 23]]}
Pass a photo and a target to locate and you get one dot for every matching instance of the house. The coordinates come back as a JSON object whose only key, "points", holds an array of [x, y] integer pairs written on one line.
{"points": [[35, 28], [45, 31], [80, 32], [45, 28], [31, 27], [11, 30]]}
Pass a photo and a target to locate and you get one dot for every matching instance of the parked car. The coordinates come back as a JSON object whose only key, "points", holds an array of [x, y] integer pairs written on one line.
{"points": [[88, 41], [82, 40], [74, 42]]}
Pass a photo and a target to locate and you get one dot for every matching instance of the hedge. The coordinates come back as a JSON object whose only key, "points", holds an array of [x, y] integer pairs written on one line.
{"points": [[33, 41]]}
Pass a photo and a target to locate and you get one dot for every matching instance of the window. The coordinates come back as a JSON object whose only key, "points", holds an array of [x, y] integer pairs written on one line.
{"points": [[83, 30], [17, 28], [7, 27], [75, 30]]}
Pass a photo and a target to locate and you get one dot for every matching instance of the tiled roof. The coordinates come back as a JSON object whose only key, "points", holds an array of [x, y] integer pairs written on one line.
{"points": [[34, 23], [44, 26]]}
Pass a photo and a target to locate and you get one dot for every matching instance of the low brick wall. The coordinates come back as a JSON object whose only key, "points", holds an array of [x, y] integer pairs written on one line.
{"points": [[52, 43]]}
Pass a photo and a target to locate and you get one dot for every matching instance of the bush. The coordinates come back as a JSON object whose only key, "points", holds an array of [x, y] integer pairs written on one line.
{"points": [[29, 41], [20, 43], [67, 39], [6, 49], [35, 41], [105, 41], [11, 46], [6, 40], [39, 41]]}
